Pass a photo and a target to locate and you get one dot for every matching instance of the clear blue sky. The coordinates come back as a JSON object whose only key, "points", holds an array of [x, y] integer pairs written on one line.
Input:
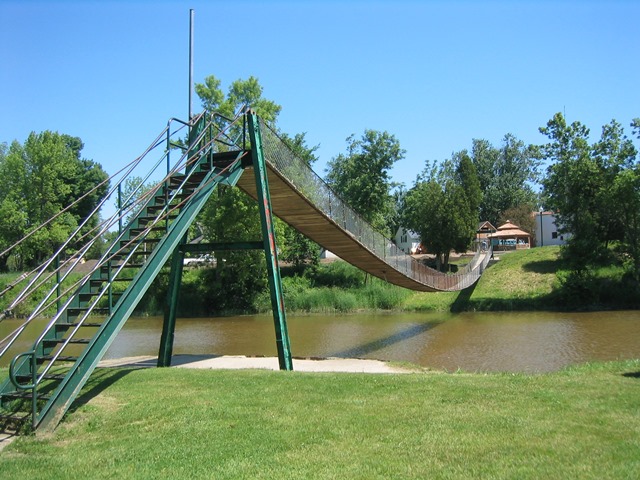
{"points": [[436, 74]]}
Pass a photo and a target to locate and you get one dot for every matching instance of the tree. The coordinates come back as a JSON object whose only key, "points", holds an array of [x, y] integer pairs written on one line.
{"points": [[613, 154], [40, 179], [583, 186], [297, 248], [230, 215], [424, 213], [571, 187], [506, 175], [521, 216], [635, 125], [626, 193], [469, 198], [361, 176], [442, 207], [241, 92]]}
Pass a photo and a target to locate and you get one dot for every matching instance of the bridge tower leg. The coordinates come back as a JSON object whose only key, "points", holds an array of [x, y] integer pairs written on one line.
{"points": [[269, 246], [269, 241], [171, 308]]}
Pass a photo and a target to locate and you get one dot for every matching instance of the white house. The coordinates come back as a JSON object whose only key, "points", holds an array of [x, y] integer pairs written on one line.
{"points": [[407, 240], [547, 230]]}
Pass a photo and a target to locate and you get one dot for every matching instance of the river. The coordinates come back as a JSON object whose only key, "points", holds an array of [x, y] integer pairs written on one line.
{"points": [[529, 342], [509, 342]]}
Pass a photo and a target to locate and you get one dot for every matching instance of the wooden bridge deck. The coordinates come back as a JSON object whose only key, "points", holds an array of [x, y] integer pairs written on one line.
{"points": [[293, 208]]}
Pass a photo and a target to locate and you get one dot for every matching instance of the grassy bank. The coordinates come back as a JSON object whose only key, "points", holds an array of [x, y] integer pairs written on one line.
{"points": [[534, 279], [538, 279], [175, 423], [521, 280]]}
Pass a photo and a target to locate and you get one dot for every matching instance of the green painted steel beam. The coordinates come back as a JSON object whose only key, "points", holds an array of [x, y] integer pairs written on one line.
{"points": [[212, 247], [269, 244], [171, 308], [88, 360]]}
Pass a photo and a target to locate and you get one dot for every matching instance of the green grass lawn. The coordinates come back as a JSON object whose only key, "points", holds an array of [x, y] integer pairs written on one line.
{"points": [[582, 422]]}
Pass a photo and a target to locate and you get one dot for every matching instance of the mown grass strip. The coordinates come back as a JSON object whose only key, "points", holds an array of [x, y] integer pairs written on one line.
{"points": [[174, 423]]}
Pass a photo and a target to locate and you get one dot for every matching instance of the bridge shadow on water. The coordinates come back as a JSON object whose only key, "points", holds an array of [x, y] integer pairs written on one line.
{"points": [[462, 300], [370, 347]]}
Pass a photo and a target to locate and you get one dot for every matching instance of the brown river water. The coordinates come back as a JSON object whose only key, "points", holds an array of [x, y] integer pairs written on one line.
{"points": [[489, 342]]}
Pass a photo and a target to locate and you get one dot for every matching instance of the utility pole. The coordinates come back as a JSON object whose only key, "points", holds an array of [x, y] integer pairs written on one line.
{"points": [[191, 15]]}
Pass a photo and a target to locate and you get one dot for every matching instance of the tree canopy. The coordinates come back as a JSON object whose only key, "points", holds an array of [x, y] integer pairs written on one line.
{"points": [[442, 206], [40, 179], [506, 175], [361, 176], [588, 186]]}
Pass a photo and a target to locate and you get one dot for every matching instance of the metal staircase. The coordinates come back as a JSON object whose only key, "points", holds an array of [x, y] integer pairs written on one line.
{"points": [[43, 381]]}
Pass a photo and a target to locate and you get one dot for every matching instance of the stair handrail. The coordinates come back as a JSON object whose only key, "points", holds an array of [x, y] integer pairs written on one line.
{"points": [[12, 374], [33, 386], [110, 222], [128, 169], [103, 226], [104, 289], [198, 154]]}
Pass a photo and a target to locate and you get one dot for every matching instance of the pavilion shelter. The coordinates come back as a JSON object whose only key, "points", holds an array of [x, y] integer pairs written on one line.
{"points": [[510, 236]]}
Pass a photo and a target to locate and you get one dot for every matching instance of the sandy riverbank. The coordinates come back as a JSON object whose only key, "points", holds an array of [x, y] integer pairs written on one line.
{"points": [[235, 362]]}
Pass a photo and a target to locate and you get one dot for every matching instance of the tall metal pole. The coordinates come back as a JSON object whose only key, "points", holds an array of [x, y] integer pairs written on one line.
{"points": [[191, 15], [541, 232]]}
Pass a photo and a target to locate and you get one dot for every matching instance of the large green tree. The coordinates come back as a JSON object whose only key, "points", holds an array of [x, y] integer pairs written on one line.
{"points": [[506, 175], [583, 185], [241, 92], [361, 176], [40, 179], [231, 215], [442, 207]]}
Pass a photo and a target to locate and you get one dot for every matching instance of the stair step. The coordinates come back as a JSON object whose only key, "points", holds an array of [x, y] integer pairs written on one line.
{"points": [[124, 254], [16, 418], [75, 324], [127, 265], [12, 423], [48, 376], [76, 310], [151, 209], [159, 227], [195, 179], [173, 196], [97, 282], [61, 358], [88, 296], [121, 279], [26, 395], [75, 341], [125, 243], [224, 159]]}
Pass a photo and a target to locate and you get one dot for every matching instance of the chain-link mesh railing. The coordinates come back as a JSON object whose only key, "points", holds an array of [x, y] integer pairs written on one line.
{"points": [[299, 174]]}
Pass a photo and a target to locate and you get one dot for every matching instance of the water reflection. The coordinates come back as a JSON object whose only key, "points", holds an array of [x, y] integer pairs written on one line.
{"points": [[510, 342]]}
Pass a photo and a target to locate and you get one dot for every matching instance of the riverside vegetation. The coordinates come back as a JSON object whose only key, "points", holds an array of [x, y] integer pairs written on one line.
{"points": [[534, 279]]}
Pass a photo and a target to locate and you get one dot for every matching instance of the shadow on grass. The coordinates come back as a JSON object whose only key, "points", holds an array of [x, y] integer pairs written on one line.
{"points": [[541, 266], [100, 380], [631, 374], [407, 333]]}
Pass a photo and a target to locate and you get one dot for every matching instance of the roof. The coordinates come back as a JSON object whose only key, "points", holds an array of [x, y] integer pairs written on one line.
{"points": [[509, 230], [486, 225]]}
